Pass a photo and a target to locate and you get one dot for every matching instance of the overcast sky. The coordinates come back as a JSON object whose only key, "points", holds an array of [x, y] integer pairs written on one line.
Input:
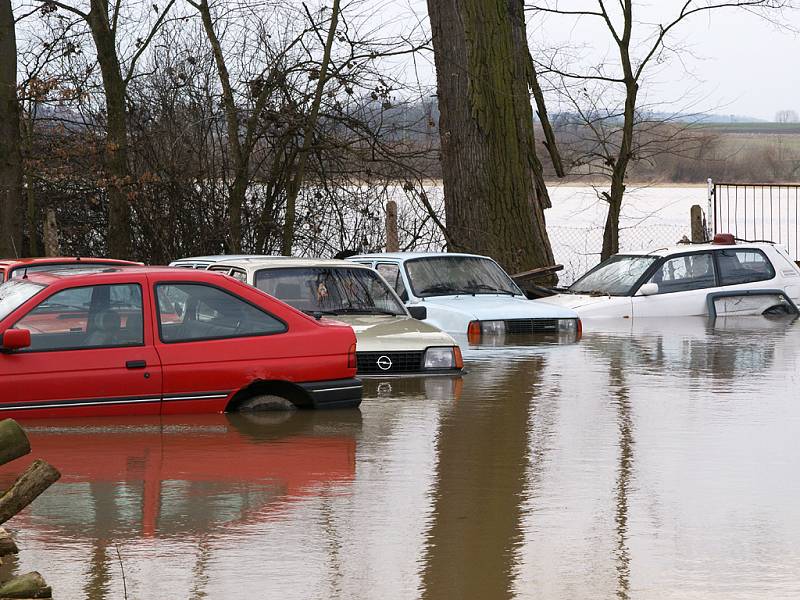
{"points": [[736, 64]]}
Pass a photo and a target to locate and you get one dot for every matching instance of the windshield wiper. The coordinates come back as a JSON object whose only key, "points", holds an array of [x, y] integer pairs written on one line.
{"points": [[441, 288], [489, 288], [352, 310]]}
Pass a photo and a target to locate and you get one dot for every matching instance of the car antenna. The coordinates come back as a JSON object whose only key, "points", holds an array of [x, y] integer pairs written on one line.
{"points": [[25, 273], [317, 315]]}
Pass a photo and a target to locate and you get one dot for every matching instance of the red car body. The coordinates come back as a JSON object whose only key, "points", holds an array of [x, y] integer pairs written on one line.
{"points": [[310, 362], [9, 265]]}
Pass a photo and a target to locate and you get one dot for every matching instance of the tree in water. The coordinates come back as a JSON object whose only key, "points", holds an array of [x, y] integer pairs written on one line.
{"points": [[10, 154], [495, 193]]}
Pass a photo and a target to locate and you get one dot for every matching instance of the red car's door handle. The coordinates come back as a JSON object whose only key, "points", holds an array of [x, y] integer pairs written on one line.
{"points": [[136, 364]]}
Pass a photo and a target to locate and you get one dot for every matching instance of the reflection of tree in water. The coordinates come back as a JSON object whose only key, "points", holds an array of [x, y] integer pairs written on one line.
{"points": [[620, 399], [480, 484]]}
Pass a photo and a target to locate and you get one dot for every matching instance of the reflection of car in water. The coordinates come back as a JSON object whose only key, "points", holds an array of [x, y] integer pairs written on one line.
{"points": [[154, 477], [718, 279]]}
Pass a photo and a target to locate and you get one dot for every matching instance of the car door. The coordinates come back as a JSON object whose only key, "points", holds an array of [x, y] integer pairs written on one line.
{"points": [[91, 353], [684, 282], [212, 342]]}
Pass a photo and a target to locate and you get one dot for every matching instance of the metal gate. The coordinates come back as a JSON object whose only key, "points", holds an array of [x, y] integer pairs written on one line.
{"points": [[757, 211]]}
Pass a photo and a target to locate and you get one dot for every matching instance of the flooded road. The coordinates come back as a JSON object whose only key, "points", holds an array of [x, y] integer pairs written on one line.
{"points": [[658, 460]]}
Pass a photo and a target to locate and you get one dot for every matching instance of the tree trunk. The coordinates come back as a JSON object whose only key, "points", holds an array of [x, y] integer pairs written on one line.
{"points": [[119, 210], [11, 204], [494, 190], [293, 189]]}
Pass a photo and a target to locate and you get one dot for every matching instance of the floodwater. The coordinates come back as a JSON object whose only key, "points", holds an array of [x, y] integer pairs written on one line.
{"points": [[657, 460]]}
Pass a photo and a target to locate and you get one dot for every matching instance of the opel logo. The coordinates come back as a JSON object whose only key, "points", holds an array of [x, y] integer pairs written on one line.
{"points": [[384, 363]]}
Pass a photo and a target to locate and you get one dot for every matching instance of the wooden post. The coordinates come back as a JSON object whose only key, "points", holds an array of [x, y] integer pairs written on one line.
{"points": [[13, 441], [30, 585], [52, 247], [698, 222], [36, 479], [392, 241]]}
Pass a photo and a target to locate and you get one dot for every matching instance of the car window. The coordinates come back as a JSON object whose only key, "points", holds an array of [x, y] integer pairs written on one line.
{"points": [[14, 294], [331, 290], [193, 311], [391, 273], [743, 266], [101, 316], [616, 276], [240, 275], [684, 273], [444, 274]]}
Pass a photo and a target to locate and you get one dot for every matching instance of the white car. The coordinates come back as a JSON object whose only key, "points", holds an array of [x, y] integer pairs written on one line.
{"points": [[469, 296], [391, 341], [723, 278], [203, 262]]}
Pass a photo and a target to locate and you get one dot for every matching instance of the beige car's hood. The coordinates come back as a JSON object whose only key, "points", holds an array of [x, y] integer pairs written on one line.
{"points": [[379, 333]]}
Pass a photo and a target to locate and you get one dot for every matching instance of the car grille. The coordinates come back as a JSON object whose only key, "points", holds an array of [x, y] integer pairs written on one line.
{"points": [[523, 326], [401, 362]]}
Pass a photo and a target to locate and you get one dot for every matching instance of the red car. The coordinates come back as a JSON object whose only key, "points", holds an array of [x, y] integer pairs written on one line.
{"points": [[149, 340], [17, 267]]}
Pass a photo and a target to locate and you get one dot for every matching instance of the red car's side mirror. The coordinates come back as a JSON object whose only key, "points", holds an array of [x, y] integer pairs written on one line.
{"points": [[16, 339]]}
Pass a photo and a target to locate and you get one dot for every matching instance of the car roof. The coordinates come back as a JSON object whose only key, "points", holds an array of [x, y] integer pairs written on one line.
{"points": [[92, 274], [221, 257], [55, 260], [283, 262], [684, 248], [411, 255]]}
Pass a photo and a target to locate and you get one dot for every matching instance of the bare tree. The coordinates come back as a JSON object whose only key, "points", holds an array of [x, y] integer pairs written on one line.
{"points": [[786, 116], [495, 194], [10, 154], [104, 21], [629, 72]]}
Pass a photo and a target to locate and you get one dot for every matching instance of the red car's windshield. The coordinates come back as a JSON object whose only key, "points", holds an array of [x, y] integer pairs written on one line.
{"points": [[15, 293]]}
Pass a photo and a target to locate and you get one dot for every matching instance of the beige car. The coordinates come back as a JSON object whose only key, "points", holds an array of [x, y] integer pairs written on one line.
{"points": [[390, 340]]}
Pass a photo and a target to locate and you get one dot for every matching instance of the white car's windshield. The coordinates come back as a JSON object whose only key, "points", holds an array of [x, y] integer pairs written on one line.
{"points": [[331, 290], [15, 293], [614, 277], [446, 275]]}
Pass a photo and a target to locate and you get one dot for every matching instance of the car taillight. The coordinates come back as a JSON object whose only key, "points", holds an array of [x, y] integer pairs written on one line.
{"points": [[474, 332], [458, 357], [580, 331], [351, 357]]}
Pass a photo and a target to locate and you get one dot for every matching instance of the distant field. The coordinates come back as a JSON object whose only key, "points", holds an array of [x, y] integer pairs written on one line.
{"points": [[752, 128]]}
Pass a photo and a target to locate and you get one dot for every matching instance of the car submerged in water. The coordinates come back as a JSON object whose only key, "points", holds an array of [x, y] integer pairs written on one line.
{"points": [[470, 296], [391, 341], [722, 278]]}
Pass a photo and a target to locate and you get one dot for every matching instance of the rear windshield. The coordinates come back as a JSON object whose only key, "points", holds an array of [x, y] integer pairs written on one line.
{"points": [[65, 268], [15, 293]]}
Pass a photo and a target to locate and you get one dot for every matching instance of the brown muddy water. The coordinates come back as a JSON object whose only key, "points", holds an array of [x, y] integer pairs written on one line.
{"points": [[659, 460]]}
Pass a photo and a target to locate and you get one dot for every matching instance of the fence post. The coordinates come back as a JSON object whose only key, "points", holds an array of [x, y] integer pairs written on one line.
{"points": [[698, 224], [392, 241], [711, 225]]}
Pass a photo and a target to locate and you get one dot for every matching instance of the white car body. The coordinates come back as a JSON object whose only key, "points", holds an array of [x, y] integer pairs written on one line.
{"points": [[773, 273], [453, 313], [398, 339], [204, 262]]}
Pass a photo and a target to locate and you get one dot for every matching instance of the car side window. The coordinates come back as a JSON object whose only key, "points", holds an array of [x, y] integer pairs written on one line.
{"points": [[743, 266], [101, 316], [239, 274], [193, 311], [685, 273], [391, 273]]}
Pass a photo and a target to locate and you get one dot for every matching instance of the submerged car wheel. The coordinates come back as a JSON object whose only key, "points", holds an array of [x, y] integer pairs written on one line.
{"points": [[779, 310], [266, 403]]}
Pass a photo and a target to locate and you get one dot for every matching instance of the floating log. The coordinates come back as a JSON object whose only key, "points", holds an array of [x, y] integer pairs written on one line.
{"points": [[39, 476], [537, 273], [30, 585], [7, 544], [13, 441]]}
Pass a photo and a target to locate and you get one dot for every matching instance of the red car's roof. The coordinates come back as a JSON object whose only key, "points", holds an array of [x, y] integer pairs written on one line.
{"points": [[48, 277], [55, 260]]}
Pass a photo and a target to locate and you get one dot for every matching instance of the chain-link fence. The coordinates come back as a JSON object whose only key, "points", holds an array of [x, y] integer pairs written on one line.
{"points": [[578, 248]]}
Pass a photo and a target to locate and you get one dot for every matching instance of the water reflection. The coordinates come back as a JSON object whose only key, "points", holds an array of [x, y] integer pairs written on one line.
{"points": [[654, 459]]}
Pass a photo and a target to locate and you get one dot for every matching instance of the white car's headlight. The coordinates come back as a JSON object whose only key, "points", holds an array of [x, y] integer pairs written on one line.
{"points": [[493, 327], [441, 358], [571, 327]]}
